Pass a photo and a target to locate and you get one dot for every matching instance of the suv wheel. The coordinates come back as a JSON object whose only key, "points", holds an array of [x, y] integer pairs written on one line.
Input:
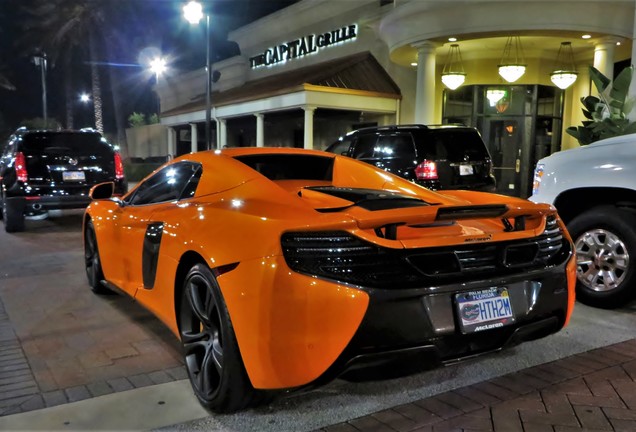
{"points": [[13, 216], [605, 243]]}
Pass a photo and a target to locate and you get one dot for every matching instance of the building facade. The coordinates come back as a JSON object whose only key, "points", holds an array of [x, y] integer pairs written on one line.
{"points": [[318, 69]]}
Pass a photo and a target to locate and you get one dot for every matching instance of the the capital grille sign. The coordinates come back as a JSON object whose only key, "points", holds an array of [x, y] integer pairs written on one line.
{"points": [[303, 46]]}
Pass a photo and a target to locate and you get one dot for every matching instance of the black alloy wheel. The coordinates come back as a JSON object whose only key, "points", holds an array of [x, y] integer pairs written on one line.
{"points": [[92, 261], [211, 353]]}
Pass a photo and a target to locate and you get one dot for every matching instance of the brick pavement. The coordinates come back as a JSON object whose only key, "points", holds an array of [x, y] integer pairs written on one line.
{"points": [[61, 343], [592, 391]]}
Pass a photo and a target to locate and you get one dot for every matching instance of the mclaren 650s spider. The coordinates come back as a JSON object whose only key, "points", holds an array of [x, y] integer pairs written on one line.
{"points": [[281, 269]]}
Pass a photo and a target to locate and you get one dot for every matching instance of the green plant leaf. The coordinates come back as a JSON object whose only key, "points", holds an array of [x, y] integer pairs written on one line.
{"points": [[600, 81], [620, 86]]}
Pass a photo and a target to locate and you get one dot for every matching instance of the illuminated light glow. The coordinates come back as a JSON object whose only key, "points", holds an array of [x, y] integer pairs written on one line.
{"points": [[237, 203], [217, 152], [306, 45], [494, 96], [586, 36], [563, 79], [84, 97], [452, 39], [453, 80], [158, 65], [512, 72], [414, 64], [193, 12]]}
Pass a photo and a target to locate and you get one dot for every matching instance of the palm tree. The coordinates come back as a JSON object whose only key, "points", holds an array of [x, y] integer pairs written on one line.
{"points": [[68, 30], [61, 28]]}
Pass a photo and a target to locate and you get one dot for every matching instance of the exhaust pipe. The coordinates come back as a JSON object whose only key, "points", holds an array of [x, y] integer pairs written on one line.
{"points": [[37, 206]]}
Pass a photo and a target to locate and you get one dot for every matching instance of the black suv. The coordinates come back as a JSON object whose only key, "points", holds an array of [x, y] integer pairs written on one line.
{"points": [[43, 170], [437, 157]]}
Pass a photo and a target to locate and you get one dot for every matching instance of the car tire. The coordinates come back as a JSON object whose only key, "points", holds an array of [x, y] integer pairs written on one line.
{"points": [[13, 216], [211, 354], [605, 243], [92, 260]]}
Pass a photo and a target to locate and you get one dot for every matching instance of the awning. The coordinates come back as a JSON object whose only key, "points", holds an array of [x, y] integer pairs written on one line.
{"points": [[358, 76]]}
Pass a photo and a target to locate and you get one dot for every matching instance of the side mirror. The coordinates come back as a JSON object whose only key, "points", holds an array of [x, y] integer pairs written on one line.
{"points": [[102, 191]]}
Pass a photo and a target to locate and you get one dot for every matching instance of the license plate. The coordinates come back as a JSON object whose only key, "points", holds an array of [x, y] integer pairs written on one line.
{"points": [[484, 309], [73, 176], [466, 170]]}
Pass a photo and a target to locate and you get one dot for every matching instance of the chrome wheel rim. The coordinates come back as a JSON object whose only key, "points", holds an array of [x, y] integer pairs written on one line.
{"points": [[602, 260], [201, 335]]}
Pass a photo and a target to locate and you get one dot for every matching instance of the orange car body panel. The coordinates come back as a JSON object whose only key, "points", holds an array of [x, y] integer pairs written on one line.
{"points": [[290, 327]]}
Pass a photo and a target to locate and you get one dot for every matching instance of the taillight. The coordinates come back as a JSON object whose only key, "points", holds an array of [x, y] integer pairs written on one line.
{"points": [[427, 170], [20, 167], [119, 167], [538, 175]]}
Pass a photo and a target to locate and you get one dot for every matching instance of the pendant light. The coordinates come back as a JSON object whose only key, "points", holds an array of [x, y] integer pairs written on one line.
{"points": [[453, 74], [512, 65], [564, 73]]}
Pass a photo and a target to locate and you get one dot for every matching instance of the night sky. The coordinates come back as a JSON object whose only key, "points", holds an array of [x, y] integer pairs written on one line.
{"points": [[164, 30]]}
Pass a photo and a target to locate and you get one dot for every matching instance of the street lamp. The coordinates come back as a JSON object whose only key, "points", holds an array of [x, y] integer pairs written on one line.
{"points": [[193, 13], [158, 66], [84, 97]]}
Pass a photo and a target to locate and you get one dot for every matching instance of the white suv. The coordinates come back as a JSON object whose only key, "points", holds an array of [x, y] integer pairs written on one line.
{"points": [[594, 189]]}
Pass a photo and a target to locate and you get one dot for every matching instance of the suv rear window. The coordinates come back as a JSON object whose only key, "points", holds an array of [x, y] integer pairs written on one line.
{"points": [[452, 145], [80, 144], [386, 146]]}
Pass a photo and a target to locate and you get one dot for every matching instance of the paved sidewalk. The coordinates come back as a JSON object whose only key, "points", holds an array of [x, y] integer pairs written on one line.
{"points": [[592, 391]]}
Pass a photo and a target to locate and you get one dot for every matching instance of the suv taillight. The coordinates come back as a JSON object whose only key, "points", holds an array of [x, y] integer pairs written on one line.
{"points": [[119, 167], [427, 170], [20, 167]]}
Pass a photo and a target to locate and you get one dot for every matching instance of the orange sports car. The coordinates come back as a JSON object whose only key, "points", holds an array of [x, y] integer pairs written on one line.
{"points": [[280, 269]]}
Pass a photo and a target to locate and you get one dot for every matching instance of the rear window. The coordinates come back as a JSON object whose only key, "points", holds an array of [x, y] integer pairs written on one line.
{"points": [[290, 167], [396, 145], [454, 145], [81, 144]]}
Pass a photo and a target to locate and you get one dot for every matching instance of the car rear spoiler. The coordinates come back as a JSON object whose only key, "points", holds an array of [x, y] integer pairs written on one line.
{"points": [[512, 217]]}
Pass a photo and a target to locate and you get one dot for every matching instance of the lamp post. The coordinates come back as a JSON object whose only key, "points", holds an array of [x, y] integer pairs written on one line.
{"points": [[40, 60], [193, 13], [158, 66]]}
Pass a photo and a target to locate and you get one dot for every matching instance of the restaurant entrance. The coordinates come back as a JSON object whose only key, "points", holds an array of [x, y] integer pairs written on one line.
{"points": [[519, 124]]}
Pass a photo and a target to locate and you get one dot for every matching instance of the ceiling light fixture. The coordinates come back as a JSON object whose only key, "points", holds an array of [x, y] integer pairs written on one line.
{"points": [[453, 74], [564, 73], [512, 65]]}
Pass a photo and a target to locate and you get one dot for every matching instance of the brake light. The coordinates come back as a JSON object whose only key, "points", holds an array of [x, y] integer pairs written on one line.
{"points": [[20, 167], [427, 170], [119, 167]]}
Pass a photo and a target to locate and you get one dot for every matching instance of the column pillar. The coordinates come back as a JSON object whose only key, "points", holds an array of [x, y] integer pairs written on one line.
{"points": [[604, 56], [573, 107], [309, 127], [172, 142], [194, 138], [260, 129], [222, 133], [425, 88]]}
